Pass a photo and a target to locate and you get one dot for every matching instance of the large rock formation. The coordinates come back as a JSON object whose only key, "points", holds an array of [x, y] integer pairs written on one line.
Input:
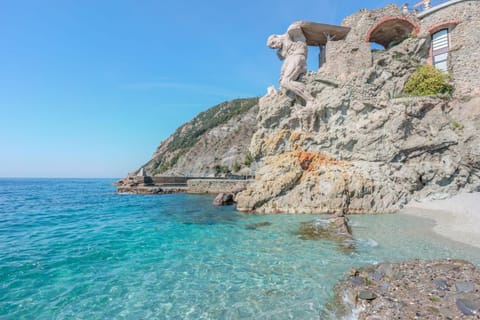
{"points": [[360, 147], [214, 142]]}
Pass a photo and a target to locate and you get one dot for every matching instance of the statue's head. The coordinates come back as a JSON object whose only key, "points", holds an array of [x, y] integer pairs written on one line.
{"points": [[274, 41]]}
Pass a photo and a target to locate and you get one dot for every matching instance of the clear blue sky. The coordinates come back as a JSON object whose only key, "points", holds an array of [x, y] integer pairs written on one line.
{"points": [[89, 88]]}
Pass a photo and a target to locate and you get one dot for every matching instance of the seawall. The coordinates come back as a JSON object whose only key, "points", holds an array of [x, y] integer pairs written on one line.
{"points": [[215, 185]]}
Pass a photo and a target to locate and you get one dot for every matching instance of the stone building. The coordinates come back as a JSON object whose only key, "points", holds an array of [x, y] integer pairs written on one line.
{"points": [[452, 29]]}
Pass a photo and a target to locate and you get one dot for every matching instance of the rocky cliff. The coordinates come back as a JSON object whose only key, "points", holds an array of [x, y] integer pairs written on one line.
{"points": [[361, 147], [215, 142]]}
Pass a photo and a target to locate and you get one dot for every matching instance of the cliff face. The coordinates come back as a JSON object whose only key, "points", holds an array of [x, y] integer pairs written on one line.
{"points": [[214, 142], [360, 148]]}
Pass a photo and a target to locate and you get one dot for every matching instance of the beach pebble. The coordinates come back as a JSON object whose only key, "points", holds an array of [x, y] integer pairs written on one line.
{"points": [[367, 295], [464, 286], [441, 284], [468, 306]]}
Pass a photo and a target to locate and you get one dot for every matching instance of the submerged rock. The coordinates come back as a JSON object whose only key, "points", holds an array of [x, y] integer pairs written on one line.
{"points": [[254, 226], [409, 290], [333, 229]]}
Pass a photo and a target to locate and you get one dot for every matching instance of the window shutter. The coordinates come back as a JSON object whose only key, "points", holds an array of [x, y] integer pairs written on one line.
{"points": [[440, 49]]}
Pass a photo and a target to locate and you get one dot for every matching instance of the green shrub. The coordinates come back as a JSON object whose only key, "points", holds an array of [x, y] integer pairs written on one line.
{"points": [[456, 125], [248, 159], [427, 80], [236, 166], [221, 169]]}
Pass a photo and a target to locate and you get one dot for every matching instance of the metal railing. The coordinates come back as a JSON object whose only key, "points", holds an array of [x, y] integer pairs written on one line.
{"points": [[427, 4]]}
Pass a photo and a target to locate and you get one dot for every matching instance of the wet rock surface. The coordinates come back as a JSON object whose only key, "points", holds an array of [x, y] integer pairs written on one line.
{"points": [[255, 226], [333, 229], [439, 289], [150, 190]]}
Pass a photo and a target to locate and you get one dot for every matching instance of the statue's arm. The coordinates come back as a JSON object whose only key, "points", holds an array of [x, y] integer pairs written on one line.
{"points": [[295, 32], [280, 54]]}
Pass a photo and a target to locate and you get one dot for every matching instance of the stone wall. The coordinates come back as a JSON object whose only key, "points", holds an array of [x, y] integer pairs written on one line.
{"points": [[347, 58], [214, 185], [169, 180], [464, 53]]}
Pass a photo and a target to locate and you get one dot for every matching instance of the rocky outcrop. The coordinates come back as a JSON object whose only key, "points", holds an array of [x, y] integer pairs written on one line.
{"points": [[440, 289], [223, 199], [360, 147], [214, 143], [150, 190], [228, 198]]}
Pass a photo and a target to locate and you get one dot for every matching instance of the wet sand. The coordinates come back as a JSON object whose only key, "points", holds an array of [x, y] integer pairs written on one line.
{"points": [[457, 218]]}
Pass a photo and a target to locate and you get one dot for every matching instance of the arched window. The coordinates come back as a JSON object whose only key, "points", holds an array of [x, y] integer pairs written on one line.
{"points": [[440, 49]]}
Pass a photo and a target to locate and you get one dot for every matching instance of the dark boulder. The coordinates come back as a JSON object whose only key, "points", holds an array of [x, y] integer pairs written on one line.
{"points": [[223, 199]]}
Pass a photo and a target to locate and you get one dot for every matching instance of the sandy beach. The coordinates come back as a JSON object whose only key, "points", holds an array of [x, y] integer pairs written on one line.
{"points": [[457, 218]]}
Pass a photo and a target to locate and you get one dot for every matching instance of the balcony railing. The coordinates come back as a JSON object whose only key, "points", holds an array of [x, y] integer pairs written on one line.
{"points": [[427, 4]]}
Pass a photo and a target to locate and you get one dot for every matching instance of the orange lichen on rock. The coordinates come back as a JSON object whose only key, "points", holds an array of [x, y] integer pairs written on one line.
{"points": [[295, 136], [309, 161], [273, 143]]}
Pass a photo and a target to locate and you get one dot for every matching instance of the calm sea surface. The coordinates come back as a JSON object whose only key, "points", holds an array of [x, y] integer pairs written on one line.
{"points": [[73, 249]]}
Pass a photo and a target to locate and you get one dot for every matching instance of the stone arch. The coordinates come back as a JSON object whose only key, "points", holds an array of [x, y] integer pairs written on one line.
{"points": [[390, 30], [450, 24]]}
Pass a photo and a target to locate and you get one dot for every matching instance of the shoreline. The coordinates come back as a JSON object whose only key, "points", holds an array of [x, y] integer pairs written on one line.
{"points": [[456, 218]]}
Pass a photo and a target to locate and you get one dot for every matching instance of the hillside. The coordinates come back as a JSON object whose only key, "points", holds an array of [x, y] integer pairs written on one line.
{"points": [[215, 142]]}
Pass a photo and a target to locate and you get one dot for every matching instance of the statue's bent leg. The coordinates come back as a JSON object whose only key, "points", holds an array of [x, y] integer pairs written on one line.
{"points": [[298, 88], [292, 70]]}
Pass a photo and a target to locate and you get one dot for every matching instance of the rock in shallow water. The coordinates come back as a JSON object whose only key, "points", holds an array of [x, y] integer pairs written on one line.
{"points": [[254, 226], [333, 229], [223, 199]]}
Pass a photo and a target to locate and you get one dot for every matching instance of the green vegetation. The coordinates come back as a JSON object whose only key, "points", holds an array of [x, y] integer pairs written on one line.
{"points": [[454, 124], [434, 299], [222, 169], [236, 167], [248, 159], [427, 80], [207, 120], [188, 134]]}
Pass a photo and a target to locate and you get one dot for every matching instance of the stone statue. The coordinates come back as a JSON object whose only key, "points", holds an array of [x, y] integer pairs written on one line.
{"points": [[292, 49]]}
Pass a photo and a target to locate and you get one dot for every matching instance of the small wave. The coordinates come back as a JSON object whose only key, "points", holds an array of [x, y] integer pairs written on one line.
{"points": [[368, 242]]}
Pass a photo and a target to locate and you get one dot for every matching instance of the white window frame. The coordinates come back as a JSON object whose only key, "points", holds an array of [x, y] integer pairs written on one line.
{"points": [[440, 49]]}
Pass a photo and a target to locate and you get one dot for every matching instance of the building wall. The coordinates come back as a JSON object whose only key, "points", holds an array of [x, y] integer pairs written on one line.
{"points": [[464, 53], [347, 58]]}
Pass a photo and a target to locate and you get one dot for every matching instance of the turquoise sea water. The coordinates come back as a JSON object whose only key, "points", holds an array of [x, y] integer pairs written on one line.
{"points": [[73, 249]]}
